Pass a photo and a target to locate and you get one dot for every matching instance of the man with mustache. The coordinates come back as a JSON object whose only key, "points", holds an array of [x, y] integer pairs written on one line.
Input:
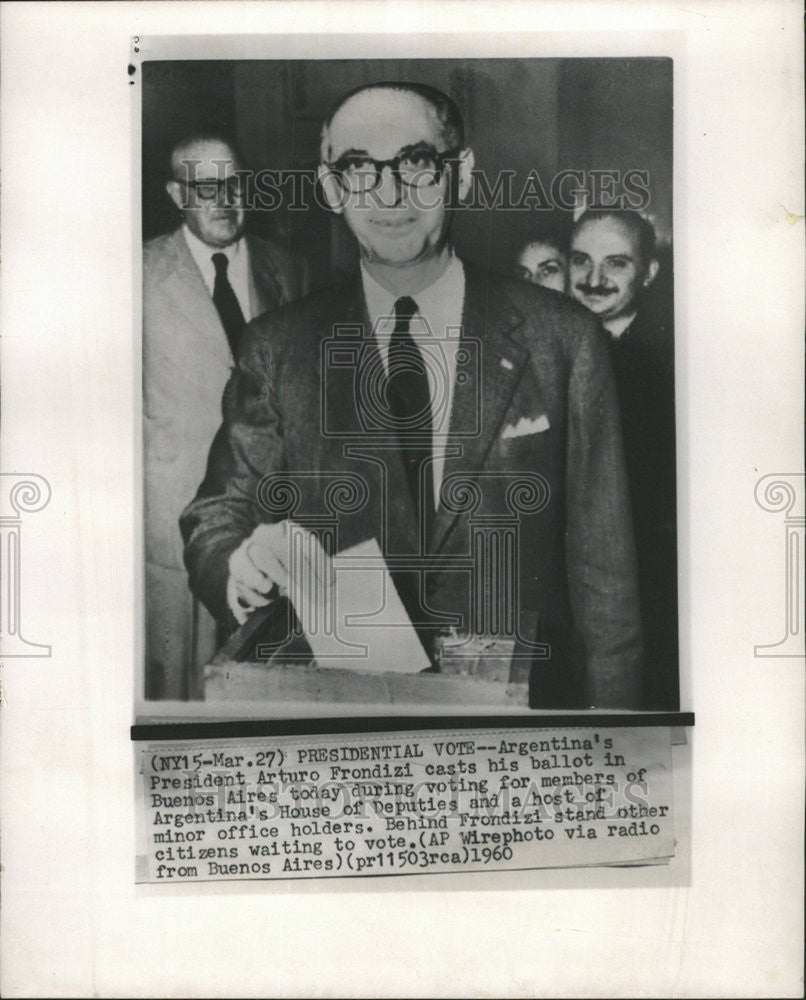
{"points": [[202, 283], [612, 261], [612, 265], [452, 401]]}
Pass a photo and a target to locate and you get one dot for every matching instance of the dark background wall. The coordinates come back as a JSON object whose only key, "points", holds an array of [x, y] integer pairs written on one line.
{"points": [[521, 115]]}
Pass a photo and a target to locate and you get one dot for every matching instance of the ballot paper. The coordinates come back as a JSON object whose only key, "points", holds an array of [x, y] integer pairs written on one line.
{"points": [[349, 609]]}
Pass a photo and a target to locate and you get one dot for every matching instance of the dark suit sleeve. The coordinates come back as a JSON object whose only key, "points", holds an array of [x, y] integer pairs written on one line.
{"points": [[248, 446], [301, 277], [293, 274], [600, 552]]}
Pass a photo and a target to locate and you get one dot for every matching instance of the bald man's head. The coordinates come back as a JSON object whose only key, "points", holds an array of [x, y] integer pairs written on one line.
{"points": [[444, 110], [394, 166]]}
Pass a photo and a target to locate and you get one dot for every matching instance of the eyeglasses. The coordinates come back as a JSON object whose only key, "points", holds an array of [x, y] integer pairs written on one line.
{"points": [[417, 167], [213, 189]]}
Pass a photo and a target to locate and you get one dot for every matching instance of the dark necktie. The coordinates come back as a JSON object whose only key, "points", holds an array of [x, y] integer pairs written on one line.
{"points": [[226, 303], [410, 402]]}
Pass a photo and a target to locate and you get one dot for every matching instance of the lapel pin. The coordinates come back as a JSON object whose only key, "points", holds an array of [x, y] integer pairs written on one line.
{"points": [[506, 364]]}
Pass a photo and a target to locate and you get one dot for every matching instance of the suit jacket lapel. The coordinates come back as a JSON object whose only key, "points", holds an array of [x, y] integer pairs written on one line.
{"points": [[480, 401], [265, 290], [348, 325], [186, 286]]}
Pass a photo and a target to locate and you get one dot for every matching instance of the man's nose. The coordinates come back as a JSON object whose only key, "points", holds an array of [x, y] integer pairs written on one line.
{"points": [[595, 275], [390, 188], [582, 272]]}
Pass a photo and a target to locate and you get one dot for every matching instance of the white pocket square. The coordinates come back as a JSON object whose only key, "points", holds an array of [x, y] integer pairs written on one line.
{"points": [[525, 426]]}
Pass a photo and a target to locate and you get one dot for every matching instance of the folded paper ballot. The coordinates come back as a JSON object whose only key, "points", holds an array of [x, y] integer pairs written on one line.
{"points": [[351, 613]]}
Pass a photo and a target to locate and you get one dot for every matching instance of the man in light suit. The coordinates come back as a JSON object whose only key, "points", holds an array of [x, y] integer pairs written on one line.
{"points": [[201, 284], [437, 438]]}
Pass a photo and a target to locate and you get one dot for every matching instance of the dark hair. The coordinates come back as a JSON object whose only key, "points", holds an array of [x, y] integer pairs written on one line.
{"points": [[641, 228], [205, 135], [555, 231], [447, 111]]}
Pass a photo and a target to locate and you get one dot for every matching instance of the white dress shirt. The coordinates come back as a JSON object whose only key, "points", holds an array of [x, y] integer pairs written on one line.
{"points": [[237, 269], [435, 328], [618, 327]]}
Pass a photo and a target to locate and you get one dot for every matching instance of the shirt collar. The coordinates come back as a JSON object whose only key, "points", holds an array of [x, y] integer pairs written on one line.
{"points": [[619, 326], [444, 297], [203, 254]]}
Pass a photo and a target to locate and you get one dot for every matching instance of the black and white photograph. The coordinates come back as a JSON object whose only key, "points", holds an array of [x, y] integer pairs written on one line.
{"points": [[402, 440], [409, 384]]}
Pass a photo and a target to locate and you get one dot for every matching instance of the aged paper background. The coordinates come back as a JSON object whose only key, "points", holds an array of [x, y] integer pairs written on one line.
{"points": [[73, 921]]}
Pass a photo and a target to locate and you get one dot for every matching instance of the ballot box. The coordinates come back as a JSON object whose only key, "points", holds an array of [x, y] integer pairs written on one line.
{"points": [[478, 671]]}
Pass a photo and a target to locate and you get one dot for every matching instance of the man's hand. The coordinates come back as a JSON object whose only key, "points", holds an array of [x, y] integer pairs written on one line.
{"points": [[284, 556]]}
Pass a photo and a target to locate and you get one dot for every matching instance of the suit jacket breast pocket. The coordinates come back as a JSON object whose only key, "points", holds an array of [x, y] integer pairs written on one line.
{"points": [[518, 449]]}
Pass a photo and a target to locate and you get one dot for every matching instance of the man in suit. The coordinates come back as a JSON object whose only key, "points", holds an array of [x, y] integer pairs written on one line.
{"points": [[201, 284], [450, 402], [613, 270]]}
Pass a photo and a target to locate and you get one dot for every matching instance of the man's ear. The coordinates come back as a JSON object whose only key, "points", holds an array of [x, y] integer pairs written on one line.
{"points": [[651, 272], [174, 190], [333, 191], [465, 173]]}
